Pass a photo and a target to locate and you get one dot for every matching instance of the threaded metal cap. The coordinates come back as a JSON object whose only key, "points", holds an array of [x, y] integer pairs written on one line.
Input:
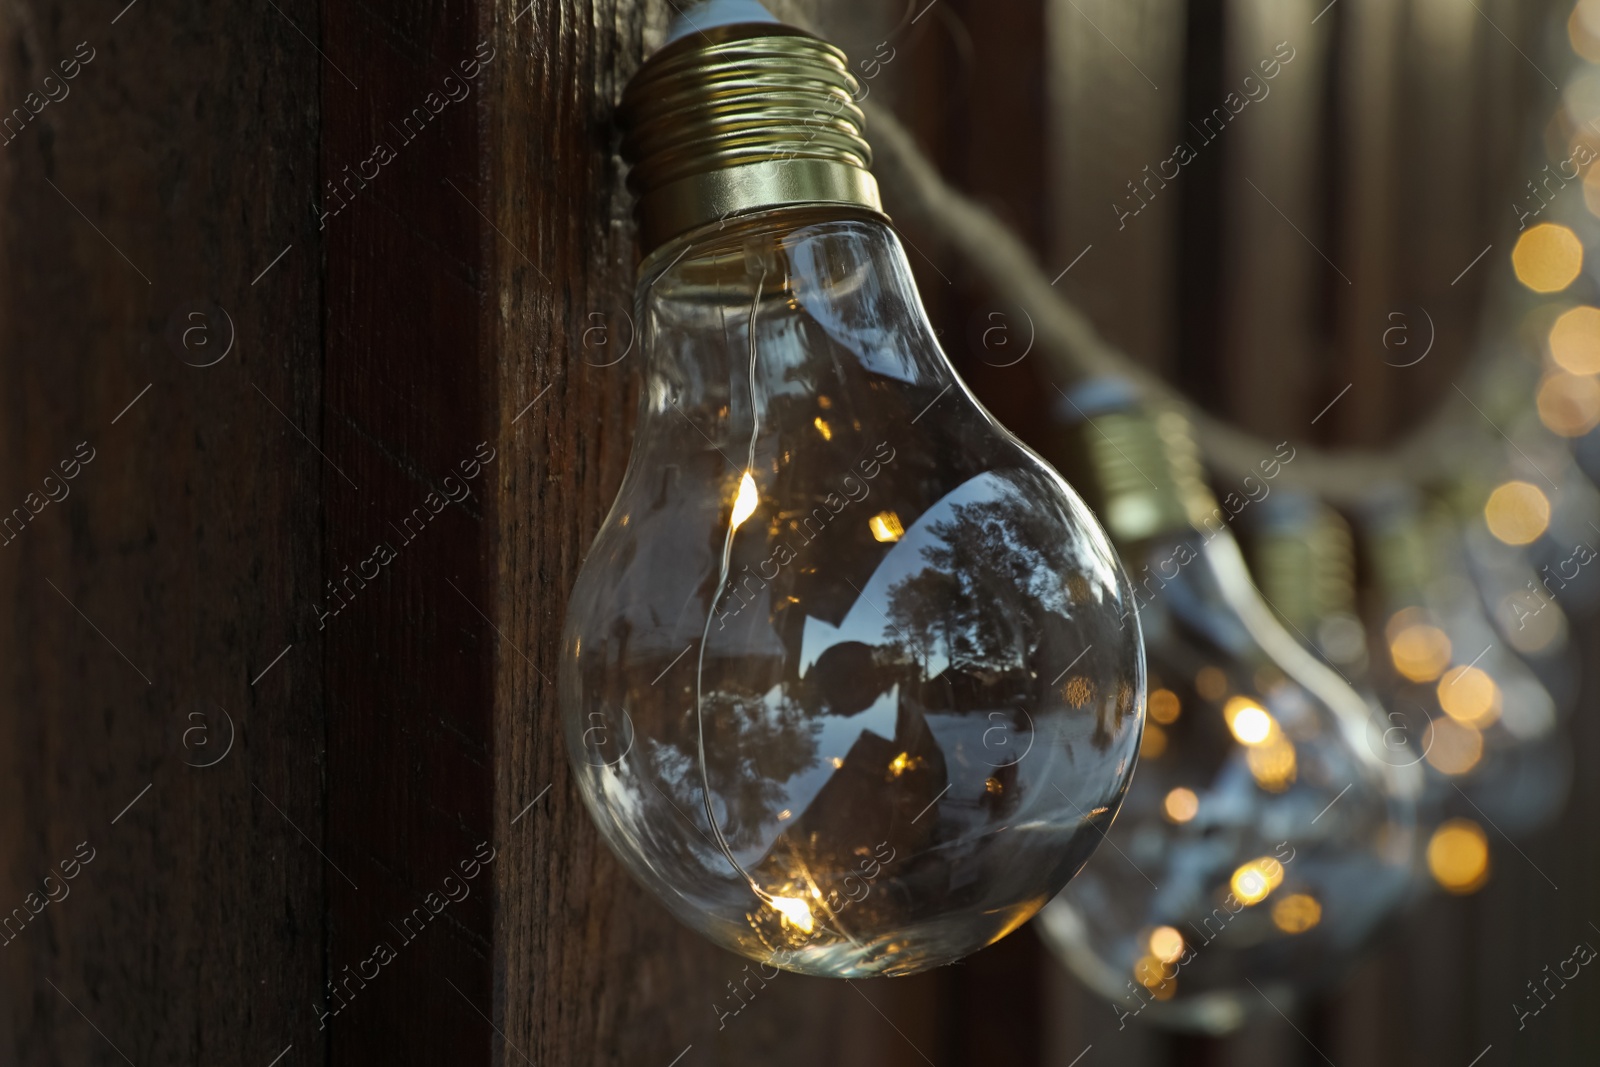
{"points": [[1305, 563], [1137, 466], [742, 118]]}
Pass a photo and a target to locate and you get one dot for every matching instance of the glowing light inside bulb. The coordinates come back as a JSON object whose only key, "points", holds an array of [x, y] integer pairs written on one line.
{"points": [[1569, 404], [1153, 743], [1166, 944], [1547, 258], [1164, 706], [795, 912], [1458, 856], [1254, 881], [1420, 650], [1273, 764], [1575, 337], [1297, 913], [1452, 748], [1152, 972], [1517, 513], [1211, 683], [900, 764], [823, 428], [744, 505], [885, 526], [1181, 805], [1250, 724], [1469, 696]]}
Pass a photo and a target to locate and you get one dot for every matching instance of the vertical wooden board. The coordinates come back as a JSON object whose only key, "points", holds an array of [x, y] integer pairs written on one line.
{"points": [[1116, 100], [1367, 78], [998, 151], [406, 599], [1445, 179], [145, 210], [1273, 349]]}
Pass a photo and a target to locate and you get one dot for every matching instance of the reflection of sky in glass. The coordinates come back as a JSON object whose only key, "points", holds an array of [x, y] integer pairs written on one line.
{"points": [[835, 736], [865, 621]]}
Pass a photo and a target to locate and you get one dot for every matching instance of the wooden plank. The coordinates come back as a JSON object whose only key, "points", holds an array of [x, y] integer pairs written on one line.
{"points": [[1367, 213], [1273, 339], [1117, 93], [411, 753], [174, 578]]}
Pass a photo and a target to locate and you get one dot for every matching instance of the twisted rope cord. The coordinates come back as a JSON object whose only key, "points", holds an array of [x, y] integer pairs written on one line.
{"points": [[1076, 349]]}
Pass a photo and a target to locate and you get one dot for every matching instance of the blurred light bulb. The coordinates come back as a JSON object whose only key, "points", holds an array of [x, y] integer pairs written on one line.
{"points": [[851, 681], [1483, 726], [1264, 787]]}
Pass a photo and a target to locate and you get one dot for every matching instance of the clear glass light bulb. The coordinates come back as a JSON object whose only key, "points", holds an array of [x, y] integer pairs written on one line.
{"points": [[847, 678], [1261, 844], [1488, 730], [1524, 603]]}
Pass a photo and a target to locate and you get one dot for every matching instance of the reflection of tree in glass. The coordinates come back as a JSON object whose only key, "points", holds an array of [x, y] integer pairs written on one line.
{"points": [[998, 573], [753, 745]]}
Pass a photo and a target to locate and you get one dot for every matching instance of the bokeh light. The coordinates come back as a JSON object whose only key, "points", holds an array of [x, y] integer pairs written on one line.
{"points": [[1164, 706], [1458, 856], [1469, 696], [1248, 721], [1575, 337], [1569, 404], [1253, 882], [1420, 650], [1273, 763], [1452, 748], [1547, 257], [1517, 513], [1155, 975], [1297, 913], [1166, 944], [1181, 805], [1153, 743]]}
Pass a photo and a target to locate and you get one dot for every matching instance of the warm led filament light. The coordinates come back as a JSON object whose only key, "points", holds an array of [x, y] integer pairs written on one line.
{"points": [[846, 679], [1261, 841]]}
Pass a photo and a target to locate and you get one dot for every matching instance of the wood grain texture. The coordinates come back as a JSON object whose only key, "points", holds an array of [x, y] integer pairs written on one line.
{"points": [[187, 547], [408, 652]]}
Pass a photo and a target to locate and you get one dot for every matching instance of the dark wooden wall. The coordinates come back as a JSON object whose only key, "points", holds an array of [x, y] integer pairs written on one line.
{"points": [[283, 655]]}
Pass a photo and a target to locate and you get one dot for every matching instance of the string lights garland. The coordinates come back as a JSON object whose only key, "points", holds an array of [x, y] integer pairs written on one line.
{"points": [[1069, 338]]}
